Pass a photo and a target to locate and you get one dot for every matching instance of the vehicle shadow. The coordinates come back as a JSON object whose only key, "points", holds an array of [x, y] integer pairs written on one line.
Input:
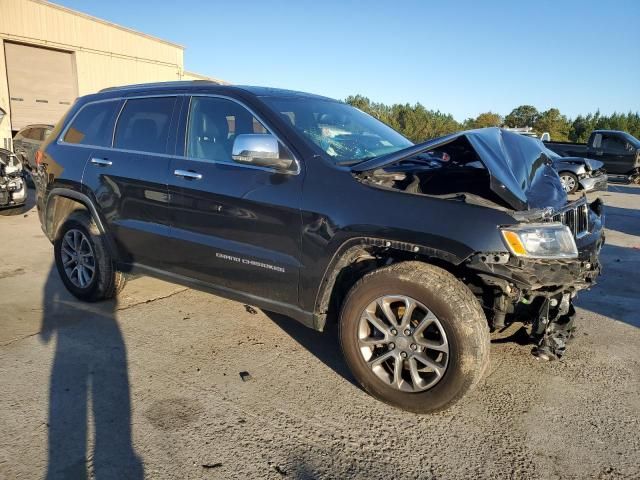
{"points": [[89, 374], [625, 220], [21, 209], [624, 188], [615, 296], [323, 345]]}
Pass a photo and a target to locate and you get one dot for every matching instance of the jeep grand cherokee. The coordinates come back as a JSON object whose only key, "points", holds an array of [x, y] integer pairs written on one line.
{"points": [[308, 207]]}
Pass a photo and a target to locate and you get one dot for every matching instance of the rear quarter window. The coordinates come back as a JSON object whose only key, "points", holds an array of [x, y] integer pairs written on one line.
{"points": [[26, 133], [93, 125]]}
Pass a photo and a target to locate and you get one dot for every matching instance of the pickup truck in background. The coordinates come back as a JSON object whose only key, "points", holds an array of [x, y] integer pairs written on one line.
{"points": [[619, 151]]}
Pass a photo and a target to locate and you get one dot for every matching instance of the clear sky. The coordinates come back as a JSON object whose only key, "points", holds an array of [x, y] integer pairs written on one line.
{"points": [[459, 57]]}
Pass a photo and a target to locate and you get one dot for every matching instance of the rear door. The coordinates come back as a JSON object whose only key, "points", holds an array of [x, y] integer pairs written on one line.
{"points": [[129, 181], [236, 226]]}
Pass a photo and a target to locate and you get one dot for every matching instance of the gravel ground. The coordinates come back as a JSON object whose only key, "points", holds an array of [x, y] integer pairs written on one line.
{"points": [[151, 385]]}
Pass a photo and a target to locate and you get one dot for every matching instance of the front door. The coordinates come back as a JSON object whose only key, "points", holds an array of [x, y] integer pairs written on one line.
{"points": [[235, 226]]}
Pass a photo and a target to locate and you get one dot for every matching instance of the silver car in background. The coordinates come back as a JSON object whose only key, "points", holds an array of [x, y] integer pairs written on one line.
{"points": [[27, 142], [577, 173]]}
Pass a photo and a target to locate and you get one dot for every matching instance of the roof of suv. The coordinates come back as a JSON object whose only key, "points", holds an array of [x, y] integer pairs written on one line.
{"points": [[258, 91], [601, 130]]}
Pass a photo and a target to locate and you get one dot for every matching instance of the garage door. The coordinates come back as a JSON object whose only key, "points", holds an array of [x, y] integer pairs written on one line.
{"points": [[42, 84]]}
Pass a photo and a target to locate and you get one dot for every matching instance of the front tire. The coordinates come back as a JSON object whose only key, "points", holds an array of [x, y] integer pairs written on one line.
{"points": [[569, 181], [414, 336], [83, 260]]}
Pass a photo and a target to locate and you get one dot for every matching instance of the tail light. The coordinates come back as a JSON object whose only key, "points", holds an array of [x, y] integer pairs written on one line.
{"points": [[39, 157]]}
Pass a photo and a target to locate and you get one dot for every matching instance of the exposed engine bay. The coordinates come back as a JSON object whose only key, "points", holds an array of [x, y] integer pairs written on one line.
{"points": [[13, 189], [453, 171], [505, 171]]}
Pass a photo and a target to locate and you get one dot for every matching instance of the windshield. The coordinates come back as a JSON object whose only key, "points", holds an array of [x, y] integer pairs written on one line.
{"points": [[347, 135]]}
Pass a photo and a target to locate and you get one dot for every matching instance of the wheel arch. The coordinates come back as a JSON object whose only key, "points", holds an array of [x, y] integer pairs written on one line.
{"points": [[61, 202], [573, 175], [357, 257]]}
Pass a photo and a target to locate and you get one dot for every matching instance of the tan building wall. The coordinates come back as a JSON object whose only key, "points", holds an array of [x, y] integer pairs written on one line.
{"points": [[196, 76], [105, 54], [5, 123]]}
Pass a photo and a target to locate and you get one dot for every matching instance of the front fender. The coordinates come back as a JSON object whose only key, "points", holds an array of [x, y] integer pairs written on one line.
{"points": [[352, 249]]}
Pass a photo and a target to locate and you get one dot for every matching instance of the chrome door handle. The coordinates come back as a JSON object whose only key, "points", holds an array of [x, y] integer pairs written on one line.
{"points": [[102, 162], [187, 174]]}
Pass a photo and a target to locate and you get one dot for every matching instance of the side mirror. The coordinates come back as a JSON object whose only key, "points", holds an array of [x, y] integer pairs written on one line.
{"points": [[261, 150]]}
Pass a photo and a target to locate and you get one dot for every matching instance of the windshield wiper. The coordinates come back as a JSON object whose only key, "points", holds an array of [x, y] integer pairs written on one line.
{"points": [[348, 163]]}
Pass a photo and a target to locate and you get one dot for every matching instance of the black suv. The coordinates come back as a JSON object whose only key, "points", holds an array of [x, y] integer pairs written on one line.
{"points": [[308, 207]]}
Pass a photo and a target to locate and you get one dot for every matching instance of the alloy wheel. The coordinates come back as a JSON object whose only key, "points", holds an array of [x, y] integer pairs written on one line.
{"points": [[403, 343], [78, 259], [568, 183]]}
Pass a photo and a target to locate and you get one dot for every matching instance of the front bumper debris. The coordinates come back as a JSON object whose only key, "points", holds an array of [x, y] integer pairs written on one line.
{"points": [[547, 277], [553, 327], [543, 277], [540, 292], [598, 183]]}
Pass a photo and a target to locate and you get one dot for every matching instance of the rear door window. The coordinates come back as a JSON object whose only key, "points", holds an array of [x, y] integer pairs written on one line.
{"points": [[597, 140], [144, 123], [93, 125]]}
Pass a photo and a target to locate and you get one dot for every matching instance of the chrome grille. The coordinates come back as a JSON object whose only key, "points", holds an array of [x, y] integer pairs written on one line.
{"points": [[576, 218]]}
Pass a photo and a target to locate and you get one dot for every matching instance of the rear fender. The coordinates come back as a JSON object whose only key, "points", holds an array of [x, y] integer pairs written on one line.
{"points": [[63, 201]]}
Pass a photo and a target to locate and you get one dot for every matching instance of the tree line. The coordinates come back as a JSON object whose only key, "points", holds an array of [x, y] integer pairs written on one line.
{"points": [[418, 123]]}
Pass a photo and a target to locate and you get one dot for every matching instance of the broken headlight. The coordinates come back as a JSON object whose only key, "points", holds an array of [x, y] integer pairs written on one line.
{"points": [[548, 240]]}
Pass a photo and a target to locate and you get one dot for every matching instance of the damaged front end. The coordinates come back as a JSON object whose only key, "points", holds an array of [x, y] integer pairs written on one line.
{"points": [[13, 189], [551, 250], [540, 291]]}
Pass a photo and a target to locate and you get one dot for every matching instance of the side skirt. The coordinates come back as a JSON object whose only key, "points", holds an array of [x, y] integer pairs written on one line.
{"points": [[304, 317]]}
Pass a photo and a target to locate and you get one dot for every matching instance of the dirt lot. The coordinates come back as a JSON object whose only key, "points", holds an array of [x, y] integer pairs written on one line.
{"points": [[151, 385]]}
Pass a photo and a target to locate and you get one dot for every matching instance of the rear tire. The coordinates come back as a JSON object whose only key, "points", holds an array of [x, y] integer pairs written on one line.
{"points": [[83, 260], [459, 323]]}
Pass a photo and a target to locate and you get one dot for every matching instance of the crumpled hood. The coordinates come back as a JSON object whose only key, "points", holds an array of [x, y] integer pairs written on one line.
{"points": [[593, 164], [520, 172], [590, 163]]}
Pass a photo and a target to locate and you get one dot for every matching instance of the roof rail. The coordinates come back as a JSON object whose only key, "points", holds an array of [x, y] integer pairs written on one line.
{"points": [[177, 83]]}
